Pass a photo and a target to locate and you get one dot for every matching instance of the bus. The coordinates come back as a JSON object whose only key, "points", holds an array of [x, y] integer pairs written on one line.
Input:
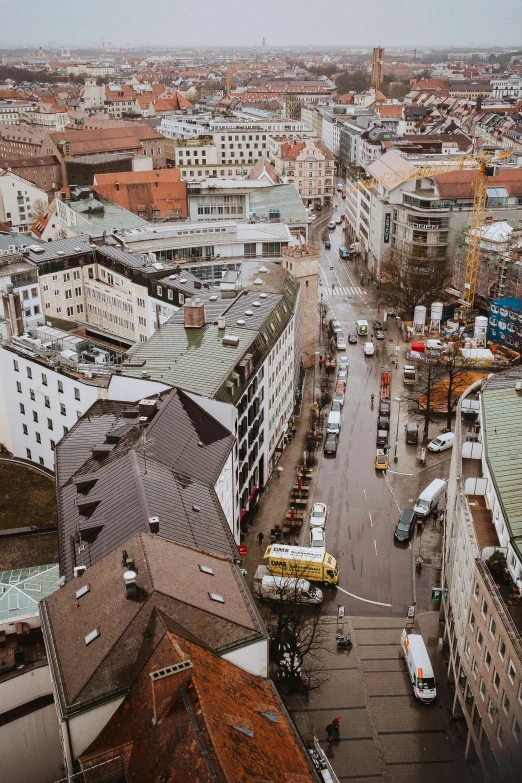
{"points": [[362, 328]]}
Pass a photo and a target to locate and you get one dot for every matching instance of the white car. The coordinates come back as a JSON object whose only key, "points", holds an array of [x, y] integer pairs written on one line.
{"points": [[442, 442], [338, 220], [331, 225], [339, 397], [341, 343], [435, 345], [369, 349], [339, 187], [318, 515], [313, 217], [317, 537]]}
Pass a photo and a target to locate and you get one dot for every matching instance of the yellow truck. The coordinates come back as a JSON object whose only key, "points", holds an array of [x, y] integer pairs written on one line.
{"points": [[312, 563]]}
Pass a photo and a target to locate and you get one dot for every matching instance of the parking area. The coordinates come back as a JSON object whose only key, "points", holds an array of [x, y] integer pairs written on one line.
{"points": [[385, 735]]}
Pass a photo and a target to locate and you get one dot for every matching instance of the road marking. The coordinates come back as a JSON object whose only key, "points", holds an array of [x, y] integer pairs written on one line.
{"points": [[364, 490], [398, 472], [371, 520], [375, 545], [358, 597], [392, 492]]}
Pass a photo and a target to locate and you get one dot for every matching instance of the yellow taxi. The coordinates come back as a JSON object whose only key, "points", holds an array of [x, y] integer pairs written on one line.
{"points": [[381, 460]]}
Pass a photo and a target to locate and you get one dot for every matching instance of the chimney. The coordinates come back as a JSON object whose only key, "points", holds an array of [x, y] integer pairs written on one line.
{"points": [[154, 524], [131, 588], [165, 683], [194, 314]]}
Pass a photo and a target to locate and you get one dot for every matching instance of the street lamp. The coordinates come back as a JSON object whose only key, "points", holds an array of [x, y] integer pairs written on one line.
{"points": [[395, 457]]}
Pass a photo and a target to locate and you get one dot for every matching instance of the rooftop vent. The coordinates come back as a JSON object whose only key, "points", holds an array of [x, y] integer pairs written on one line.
{"points": [[168, 670], [206, 570], [147, 407], [131, 588], [263, 269], [240, 322], [249, 312], [262, 296], [212, 298], [196, 509], [79, 570], [102, 450], [256, 304], [230, 339], [154, 524], [518, 387], [82, 591], [258, 281]]}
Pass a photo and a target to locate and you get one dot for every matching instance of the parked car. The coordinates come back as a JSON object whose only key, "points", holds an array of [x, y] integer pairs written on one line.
{"points": [[382, 437], [317, 537], [344, 363], [335, 326], [412, 432], [318, 515], [340, 385], [336, 406], [377, 325], [383, 423], [339, 396], [381, 460], [442, 442], [313, 217], [330, 444], [384, 408], [405, 525], [342, 375], [369, 349], [339, 187], [429, 497], [341, 343], [352, 338], [331, 225], [327, 245], [338, 220], [379, 334]]}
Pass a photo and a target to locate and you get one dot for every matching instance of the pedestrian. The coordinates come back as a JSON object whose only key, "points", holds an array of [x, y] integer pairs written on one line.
{"points": [[278, 474], [260, 538], [294, 431]]}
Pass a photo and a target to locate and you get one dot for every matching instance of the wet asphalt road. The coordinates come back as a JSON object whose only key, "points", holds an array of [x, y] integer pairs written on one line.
{"points": [[364, 504]]}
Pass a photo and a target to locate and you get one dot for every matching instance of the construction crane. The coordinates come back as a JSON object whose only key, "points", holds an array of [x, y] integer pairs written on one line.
{"points": [[482, 161]]}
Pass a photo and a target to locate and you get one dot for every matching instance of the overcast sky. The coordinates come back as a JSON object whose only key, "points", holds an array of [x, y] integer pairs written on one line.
{"points": [[290, 22]]}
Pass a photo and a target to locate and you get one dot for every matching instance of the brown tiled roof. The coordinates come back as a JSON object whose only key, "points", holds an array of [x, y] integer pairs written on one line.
{"points": [[459, 184], [170, 581], [243, 734], [148, 472], [129, 136], [138, 191], [29, 163]]}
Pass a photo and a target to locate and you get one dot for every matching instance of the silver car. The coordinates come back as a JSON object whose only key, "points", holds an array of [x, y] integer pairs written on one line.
{"points": [[341, 343]]}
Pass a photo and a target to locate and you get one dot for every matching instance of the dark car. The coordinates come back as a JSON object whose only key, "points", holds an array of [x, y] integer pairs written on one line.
{"points": [[352, 338], [412, 432], [328, 245], [382, 437], [384, 408], [377, 325], [405, 526], [330, 444], [383, 423]]}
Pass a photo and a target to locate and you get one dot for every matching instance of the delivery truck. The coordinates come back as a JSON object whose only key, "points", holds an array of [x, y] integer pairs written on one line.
{"points": [[299, 562], [420, 670]]}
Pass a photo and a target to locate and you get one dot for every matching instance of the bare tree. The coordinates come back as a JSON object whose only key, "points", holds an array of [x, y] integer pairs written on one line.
{"points": [[38, 208], [408, 281], [323, 311], [429, 374], [458, 372], [297, 635]]}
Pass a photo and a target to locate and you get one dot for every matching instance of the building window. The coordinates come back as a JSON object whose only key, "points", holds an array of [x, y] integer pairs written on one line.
{"points": [[492, 627], [19, 387], [53, 445], [496, 680], [76, 393], [483, 689], [500, 735], [472, 621], [37, 436], [28, 452], [22, 408], [15, 365], [41, 460], [505, 702], [474, 668], [512, 672], [516, 729], [487, 658], [29, 372], [49, 424], [44, 379], [491, 710], [476, 591], [501, 649], [24, 429], [467, 649], [47, 402], [62, 409], [35, 416], [65, 429], [480, 639], [60, 387], [484, 609]]}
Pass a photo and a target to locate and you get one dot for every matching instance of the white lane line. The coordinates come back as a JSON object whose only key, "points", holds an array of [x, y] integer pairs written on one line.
{"points": [[364, 490], [371, 520], [358, 597], [392, 492], [398, 472], [375, 545]]}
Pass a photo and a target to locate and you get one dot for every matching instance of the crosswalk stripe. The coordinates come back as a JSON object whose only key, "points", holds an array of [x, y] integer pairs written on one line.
{"points": [[343, 291]]}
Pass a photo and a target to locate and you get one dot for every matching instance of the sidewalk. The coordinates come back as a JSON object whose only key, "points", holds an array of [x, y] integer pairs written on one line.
{"points": [[275, 500]]}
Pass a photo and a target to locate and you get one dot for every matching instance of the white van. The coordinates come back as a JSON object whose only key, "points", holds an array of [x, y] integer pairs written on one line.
{"points": [[369, 349], [435, 345], [419, 666], [285, 588], [442, 442], [429, 497], [334, 422]]}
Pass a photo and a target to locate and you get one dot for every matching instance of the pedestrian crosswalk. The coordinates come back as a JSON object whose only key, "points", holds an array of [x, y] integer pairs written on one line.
{"points": [[342, 290]]}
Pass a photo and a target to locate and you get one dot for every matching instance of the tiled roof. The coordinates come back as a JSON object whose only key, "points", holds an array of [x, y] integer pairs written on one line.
{"points": [[130, 136], [161, 188], [148, 472], [244, 734], [169, 580], [459, 184]]}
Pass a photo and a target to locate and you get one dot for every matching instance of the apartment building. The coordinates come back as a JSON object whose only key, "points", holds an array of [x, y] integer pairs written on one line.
{"points": [[20, 293], [19, 199], [44, 172], [22, 141], [310, 165], [482, 575]]}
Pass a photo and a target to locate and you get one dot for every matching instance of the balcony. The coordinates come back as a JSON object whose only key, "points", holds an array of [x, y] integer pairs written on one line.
{"points": [[508, 609]]}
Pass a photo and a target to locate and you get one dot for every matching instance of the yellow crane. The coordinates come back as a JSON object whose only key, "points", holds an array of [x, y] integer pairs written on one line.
{"points": [[482, 161]]}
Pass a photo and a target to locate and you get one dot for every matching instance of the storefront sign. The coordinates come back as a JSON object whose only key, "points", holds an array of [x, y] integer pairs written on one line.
{"points": [[387, 225]]}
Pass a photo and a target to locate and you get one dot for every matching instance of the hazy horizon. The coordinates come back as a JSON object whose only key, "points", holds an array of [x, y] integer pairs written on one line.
{"points": [[163, 23]]}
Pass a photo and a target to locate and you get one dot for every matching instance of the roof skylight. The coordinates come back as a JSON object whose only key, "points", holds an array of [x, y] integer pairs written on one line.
{"points": [[206, 569], [216, 597], [92, 636], [82, 591]]}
